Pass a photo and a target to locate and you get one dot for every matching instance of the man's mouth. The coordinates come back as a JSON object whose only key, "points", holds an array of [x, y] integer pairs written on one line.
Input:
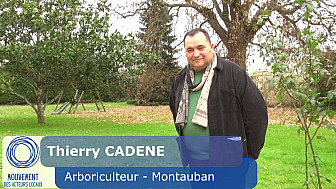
{"points": [[197, 59]]}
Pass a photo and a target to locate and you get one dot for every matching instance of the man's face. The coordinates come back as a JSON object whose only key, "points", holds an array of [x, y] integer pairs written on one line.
{"points": [[199, 51]]}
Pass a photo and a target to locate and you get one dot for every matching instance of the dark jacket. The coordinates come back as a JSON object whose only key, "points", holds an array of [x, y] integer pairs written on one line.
{"points": [[235, 106]]}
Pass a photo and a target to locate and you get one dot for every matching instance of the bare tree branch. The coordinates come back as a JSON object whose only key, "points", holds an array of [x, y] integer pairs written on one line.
{"points": [[226, 15], [219, 42], [25, 99], [204, 22], [208, 14], [142, 6], [256, 44], [220, 13]]}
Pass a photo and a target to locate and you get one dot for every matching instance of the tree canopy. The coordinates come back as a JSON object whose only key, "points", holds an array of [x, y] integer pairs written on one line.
{"points": [[47, 46]]}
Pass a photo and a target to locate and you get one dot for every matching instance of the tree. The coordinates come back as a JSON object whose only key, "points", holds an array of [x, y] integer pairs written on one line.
{"points": [[97, 55], [237, 22], [32, 51], [299, 68], [156, 38], [156, 33], [47, 46]]}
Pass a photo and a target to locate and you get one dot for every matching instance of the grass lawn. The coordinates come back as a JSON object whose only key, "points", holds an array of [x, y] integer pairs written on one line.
{"points": [[281, 163]]}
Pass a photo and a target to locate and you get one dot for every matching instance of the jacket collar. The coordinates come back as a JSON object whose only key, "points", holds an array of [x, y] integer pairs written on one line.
{"points": [[220, 64]]}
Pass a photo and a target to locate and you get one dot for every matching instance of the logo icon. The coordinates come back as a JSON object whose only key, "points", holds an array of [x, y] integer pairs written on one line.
{"points": [[12, 154]]}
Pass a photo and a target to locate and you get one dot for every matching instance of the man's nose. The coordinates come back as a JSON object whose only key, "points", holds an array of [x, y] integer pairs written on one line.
{"points": [[196, 53]]}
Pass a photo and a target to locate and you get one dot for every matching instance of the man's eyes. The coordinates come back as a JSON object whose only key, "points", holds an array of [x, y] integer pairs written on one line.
{"points": [[198, 48], [201, 48]]}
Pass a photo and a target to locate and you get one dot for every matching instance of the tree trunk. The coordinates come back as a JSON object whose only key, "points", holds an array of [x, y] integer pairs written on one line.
{"points": [[316, 164], [40, 113], [40, 104], [237, 53], [238, 36]]}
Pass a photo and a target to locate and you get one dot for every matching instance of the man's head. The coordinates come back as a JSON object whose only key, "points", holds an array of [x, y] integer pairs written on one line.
{"points": [[199, 50]]}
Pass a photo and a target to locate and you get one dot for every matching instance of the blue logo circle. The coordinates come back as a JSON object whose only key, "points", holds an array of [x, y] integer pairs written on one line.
{"points": [[30, 144]]}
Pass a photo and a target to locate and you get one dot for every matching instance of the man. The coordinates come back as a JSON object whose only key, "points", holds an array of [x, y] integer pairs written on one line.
{"points": [[212, 96]]}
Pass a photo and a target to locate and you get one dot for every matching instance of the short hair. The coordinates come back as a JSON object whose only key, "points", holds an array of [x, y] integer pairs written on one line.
{"points": [[195, 31]]}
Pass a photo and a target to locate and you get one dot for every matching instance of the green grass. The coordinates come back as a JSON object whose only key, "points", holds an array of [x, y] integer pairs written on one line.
{"points": [[281, 162]]}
